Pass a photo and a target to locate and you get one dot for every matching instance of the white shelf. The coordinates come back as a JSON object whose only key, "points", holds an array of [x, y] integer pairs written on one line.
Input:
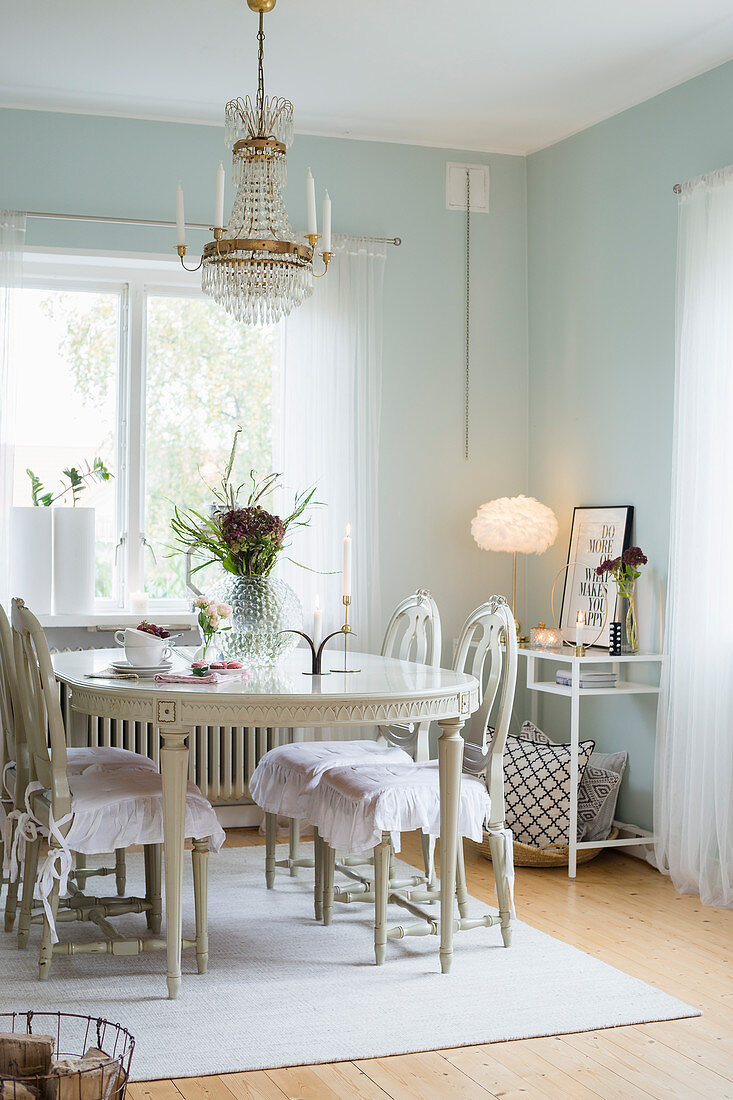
{"points": [[623, 687], [111, 620], [592, 657]]}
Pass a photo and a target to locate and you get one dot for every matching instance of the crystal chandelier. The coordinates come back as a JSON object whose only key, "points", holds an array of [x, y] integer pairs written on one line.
{"points": [[253, 267]]}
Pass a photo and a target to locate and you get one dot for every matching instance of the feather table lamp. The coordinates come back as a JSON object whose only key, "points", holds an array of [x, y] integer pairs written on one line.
{"points": [[515, 525]]}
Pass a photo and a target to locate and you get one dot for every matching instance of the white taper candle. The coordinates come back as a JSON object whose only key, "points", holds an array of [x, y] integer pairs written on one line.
{"points": [[347, 562], [317, 623], [310, 195], [180, 216], [219, 202], [326, 222]]}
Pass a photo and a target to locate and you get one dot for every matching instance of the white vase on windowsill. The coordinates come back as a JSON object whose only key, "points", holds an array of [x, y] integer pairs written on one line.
{"points": [[73, 560], [31, 557]]}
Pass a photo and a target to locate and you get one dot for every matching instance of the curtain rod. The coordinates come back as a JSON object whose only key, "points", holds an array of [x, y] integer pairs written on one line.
{"points": [[677, 189], [156, 224]]}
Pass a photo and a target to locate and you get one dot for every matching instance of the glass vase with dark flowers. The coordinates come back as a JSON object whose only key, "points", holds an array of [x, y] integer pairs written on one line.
{"points": [[625, 571], [245, 539]]}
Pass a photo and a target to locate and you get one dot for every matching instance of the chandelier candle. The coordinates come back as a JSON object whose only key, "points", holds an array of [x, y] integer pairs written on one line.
{"points": [[219, 202], [180, 220], [254, 267]]}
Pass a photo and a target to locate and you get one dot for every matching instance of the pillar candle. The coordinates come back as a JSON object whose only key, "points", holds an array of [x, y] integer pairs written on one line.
{"points": [[579, 628]]}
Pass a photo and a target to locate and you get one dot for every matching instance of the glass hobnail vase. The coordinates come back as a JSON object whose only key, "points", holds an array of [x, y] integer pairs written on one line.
{"points": [[262, 607], [625, 613]]}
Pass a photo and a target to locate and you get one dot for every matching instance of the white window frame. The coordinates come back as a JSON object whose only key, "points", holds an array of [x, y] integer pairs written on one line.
{"points": [[133, 276]]}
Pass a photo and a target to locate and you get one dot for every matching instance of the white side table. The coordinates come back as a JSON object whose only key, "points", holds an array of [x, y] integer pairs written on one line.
{"points": [[574, 692]]}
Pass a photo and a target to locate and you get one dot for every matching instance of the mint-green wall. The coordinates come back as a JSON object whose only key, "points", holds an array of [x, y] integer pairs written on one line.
{"points": [[602, 233], [129, 168]]}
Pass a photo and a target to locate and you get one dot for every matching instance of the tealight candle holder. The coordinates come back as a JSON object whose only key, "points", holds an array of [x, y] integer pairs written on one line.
{"points": [[316, 653]]}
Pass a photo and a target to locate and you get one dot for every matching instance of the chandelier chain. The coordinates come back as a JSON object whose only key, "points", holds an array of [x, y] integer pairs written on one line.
{"points": [[468, 316], [261, 77]]}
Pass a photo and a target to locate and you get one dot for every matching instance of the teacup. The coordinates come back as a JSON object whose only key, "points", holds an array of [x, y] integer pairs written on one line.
{"points": [[141, 648]]}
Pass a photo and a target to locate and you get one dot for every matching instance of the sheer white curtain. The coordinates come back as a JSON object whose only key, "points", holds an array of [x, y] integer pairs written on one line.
{"points": [[12, 238], [331, 397], [694, 780]]}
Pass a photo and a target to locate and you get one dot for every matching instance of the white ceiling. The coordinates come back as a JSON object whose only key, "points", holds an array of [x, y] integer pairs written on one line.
{"points": [[510, 76]]}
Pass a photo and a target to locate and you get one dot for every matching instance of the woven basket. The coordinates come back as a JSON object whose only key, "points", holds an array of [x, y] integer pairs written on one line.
{"points": [[526, 856]]}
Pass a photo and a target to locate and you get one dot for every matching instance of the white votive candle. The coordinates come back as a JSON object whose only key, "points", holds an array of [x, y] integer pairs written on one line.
{"points": [[180, 217], [219, 201], [317, 623], [139, 602], [579, 628], [310, 196], [347, 562]]}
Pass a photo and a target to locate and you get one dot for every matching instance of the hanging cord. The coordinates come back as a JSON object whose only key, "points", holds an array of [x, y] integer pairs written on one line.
{"points": [[468, 313], [261, 77]]}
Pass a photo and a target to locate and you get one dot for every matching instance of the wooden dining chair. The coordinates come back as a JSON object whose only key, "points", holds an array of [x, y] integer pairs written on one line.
{"points": [[14, 777], [373, 804], [92, 811], [285, 776]]}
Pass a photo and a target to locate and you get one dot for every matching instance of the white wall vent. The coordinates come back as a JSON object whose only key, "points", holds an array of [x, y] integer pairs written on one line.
{"points": [[455, 187]]}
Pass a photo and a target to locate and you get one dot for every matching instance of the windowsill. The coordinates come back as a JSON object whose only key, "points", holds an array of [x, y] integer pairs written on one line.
{"points": [[111, 620]]}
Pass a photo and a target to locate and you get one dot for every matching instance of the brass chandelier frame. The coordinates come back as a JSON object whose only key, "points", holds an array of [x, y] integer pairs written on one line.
{"points": [[264, 114]]}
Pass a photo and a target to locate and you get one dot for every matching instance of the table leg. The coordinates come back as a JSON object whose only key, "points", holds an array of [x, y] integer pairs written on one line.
{"points": [[174, 769], [450, 759], [574, 748], [78, 728]]}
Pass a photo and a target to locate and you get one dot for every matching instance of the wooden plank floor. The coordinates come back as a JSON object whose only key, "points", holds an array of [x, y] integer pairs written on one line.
{"points": [[619, 910]]}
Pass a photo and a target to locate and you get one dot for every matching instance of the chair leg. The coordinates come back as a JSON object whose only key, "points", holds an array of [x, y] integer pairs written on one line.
{"points": [[498, 862], [382, 854], [120, 872], [30, 870], [293, 844], [461, 891], [270, 841], [425, 845], [44, 964], [154, 915], [318, 875], [329, 866], [200, 861], [11, 898]]}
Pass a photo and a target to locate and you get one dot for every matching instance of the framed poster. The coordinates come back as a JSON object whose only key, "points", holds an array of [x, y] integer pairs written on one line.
{"points": [[597, 533]]}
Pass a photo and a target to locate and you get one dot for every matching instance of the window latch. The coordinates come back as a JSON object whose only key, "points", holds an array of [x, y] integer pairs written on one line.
{"points": [[146, 542], [120, 543]]}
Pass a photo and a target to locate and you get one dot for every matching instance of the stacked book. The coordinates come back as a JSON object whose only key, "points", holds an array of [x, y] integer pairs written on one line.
{"points": [[588, 678]]}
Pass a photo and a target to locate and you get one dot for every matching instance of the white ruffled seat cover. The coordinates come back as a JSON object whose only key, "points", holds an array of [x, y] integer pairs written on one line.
{"points": [[106, 756], [352, 806], [115, 807], [285, 777]]}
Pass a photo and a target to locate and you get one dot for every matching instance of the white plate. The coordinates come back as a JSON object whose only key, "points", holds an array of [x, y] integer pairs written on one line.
{"points": [[125, 666]]}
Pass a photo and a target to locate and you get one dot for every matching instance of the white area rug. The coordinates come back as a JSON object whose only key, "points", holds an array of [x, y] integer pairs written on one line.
{"points": [[282, 990]]}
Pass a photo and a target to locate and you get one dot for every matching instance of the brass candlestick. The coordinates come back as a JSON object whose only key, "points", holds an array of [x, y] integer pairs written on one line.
{"points": [[346, 630]]}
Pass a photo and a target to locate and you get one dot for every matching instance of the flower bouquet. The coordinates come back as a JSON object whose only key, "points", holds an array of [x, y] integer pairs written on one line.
{"points": [[210, 616], [625, 572], [246, 540]]}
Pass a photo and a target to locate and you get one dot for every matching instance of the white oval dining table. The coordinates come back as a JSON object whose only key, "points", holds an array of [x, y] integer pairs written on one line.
{"points": [[384, 691]]}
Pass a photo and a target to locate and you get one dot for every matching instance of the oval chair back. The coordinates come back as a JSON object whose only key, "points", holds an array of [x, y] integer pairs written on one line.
{"points": [[8, 750], [487, 650], [40, 708], [413, 634]]}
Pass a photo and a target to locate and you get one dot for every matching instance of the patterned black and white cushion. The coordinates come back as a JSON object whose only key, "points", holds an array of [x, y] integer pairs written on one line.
{"points": [[597, 786], [537, 789]]}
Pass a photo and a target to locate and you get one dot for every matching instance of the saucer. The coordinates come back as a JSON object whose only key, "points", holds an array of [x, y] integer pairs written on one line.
{"points": [[141, 670]]}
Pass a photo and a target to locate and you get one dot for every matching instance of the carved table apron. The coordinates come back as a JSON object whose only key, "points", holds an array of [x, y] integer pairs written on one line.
{"points": [[384, 691]]}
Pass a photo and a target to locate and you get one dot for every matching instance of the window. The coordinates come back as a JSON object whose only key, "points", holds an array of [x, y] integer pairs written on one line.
{"points": [[129, 362]]}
